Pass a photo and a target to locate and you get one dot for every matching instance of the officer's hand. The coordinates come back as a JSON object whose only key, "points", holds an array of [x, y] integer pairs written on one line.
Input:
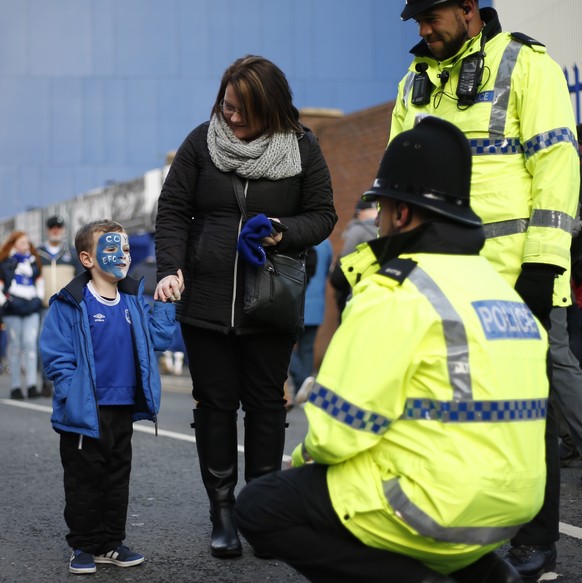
{"points": [[535, 285]]}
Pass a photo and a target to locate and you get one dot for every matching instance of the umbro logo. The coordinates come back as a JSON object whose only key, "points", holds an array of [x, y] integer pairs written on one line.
{"points": [[99, 317]]}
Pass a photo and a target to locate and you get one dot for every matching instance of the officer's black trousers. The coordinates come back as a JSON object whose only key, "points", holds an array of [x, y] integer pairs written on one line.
{"points": [[96, 478], [288, 515]]}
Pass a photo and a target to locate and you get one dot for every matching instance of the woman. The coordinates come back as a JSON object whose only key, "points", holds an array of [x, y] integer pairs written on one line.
{"points": [[21, 290], [254, 132]]}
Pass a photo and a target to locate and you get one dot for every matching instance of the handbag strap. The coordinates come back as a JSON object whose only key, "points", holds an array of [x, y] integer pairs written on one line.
{"points": [[240, 195], [241, 199]]}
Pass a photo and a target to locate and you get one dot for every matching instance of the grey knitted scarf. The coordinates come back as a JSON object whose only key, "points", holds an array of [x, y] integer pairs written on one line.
{"points": [[273, 157]]}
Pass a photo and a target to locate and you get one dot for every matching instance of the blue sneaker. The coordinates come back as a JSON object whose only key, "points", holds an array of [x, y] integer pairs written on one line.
{"points": [[121, 556], [81, 563]]}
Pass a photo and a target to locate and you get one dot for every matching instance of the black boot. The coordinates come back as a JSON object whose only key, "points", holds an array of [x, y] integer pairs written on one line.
{"points": [[216, 441], [33, 392], [16, 394], [264, 442], [491, 568], [532, 561]]}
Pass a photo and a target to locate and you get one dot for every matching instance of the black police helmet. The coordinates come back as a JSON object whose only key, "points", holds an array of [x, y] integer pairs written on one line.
{"points": [[429, 166], [414, 7]]}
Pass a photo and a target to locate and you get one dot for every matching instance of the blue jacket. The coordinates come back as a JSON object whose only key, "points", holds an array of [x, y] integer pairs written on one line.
{"points": [[315, 292], [67, 355]]}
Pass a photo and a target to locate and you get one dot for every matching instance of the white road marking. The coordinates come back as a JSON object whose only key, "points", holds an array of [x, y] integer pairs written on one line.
{"points": [[136, 427], [573, 531], [567, 529], [184, 437], [25, 405]]}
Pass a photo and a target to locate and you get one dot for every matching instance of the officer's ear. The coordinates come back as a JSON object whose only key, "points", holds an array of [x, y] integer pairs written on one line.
{"points": [[468, 8], [404, 215], [402, 212]]}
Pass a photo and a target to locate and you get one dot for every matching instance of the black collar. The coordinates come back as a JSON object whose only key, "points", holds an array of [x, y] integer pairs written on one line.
{"points": [[434, 236]]}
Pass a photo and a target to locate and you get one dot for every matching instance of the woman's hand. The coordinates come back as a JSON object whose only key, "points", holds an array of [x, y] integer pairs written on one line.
{"points": [[170, 288], [274, 238]]}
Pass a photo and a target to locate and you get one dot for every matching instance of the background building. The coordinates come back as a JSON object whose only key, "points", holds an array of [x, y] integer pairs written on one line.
{"points": [[95, 93], [98, 91]]}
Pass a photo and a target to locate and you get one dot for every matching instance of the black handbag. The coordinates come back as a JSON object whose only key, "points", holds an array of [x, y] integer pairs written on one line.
{"points": [[275, 291]]}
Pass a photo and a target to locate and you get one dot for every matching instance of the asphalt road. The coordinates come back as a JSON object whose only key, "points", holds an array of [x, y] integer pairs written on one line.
{"points": [[168, 510]]}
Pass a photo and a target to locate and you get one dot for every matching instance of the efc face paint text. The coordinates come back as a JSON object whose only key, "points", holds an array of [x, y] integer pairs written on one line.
{"points": [[113, 254]]}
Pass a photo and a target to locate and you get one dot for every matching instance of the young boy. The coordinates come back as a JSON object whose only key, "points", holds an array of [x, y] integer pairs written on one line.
{"points": [[97, 346]]}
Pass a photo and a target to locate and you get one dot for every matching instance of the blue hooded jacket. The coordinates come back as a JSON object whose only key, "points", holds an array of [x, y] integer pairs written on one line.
{"points": [[67, 355]]}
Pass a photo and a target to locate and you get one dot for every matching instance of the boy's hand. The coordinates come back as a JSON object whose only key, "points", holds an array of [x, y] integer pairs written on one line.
{"points": [[170, 288]]}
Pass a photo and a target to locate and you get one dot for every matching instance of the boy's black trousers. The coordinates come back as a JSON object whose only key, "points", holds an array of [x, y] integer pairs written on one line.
{"points": [[96, 478]]}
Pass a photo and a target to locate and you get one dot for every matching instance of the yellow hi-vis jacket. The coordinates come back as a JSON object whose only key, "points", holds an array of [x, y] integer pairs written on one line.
{"points": [[522, 132], [430, 408]]}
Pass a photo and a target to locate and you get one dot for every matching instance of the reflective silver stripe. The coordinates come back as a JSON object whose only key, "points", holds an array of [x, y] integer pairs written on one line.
{"points": [[407, 86], [548, 139], [426, 526], [498, 117], [502, 89], [483, 146], [346, 412], [553, 219], [540, 218], [455, 334], [504, 228], [475, 411]]}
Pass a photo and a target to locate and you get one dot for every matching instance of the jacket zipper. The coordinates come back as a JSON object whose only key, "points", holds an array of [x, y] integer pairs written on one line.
{"points": [[235, 274], [147, 341], [90, 369]]}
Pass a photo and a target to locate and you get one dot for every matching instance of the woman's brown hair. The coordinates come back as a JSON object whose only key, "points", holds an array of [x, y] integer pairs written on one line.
{"points": [[9, 244], [264, 93]]}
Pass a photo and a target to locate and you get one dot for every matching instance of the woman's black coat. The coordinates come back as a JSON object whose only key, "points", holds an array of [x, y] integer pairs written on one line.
{"points": [[198, 224]]}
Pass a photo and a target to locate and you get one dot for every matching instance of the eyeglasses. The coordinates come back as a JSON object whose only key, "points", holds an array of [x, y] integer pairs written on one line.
{"points": [[229, 110]]}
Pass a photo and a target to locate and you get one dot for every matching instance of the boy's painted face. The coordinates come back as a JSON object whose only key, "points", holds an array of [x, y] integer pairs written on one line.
{"points": [[112, 254]]}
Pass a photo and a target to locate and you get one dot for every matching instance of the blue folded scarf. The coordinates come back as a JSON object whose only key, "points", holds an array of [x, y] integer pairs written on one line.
{"points": [[249, 241]]}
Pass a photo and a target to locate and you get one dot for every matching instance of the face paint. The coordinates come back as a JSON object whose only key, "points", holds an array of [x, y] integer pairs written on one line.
{"points": [[113, 254]]}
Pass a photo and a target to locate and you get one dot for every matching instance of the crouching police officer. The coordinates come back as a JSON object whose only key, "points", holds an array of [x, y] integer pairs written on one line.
{"points": [[426, 424]]}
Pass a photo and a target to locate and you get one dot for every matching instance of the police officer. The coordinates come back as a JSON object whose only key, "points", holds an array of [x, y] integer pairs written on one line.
{"points": [[426, 422], [511, 100]]}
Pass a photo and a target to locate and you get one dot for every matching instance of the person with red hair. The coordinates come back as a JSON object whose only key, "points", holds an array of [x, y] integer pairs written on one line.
{"points": [[21, 290]]}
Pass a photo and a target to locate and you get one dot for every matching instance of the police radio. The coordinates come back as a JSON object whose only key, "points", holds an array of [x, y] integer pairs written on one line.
{"points": [[421, 86], [470, 78], [471, 74]]}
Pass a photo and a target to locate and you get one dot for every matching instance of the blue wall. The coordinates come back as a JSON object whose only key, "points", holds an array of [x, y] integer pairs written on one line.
{"points": [[93, 91]]}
